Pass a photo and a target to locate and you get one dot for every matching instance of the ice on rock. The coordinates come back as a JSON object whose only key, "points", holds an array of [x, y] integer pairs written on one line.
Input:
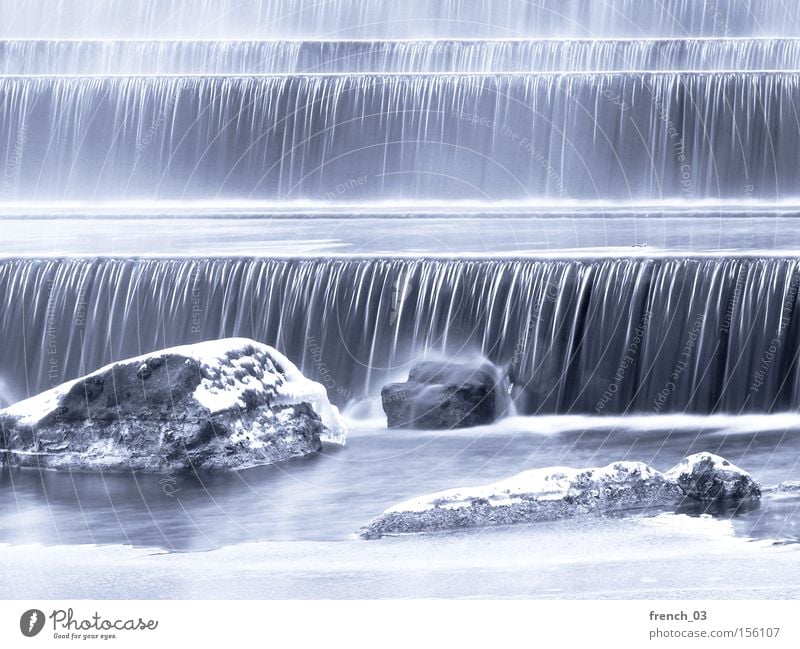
{"points": [[228, 403]]}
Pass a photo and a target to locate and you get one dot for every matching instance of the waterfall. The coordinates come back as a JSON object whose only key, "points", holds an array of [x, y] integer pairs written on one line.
{"points": [[265, 108], [596, 336], [604, 136], [116, 57], [314, 19], [592, 205]]}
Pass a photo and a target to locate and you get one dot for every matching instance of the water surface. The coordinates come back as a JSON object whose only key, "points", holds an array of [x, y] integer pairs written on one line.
{"points": [[329, 496]]}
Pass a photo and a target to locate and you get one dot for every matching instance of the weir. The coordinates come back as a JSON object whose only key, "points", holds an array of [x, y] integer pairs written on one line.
{"points": [[707, 334], [616, 136], [343, 114], [598, 197]]}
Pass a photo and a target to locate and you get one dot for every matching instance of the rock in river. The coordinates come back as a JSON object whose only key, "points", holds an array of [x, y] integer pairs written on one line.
{"points": [[536, 495], [223, 404], [442, 395], [707, 477], [559, 492]]}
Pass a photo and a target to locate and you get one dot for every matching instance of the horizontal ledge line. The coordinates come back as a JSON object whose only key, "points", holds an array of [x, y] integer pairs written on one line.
{"points": [[566, 254], [440, 206], [316, 75], [532, 39]]}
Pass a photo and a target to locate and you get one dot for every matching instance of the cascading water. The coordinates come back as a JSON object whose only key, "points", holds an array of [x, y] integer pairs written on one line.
{"points": [[506, 120], [105, 57], [314, 19], [367, 184], [490, 137], [590, 337], [499, 110]]}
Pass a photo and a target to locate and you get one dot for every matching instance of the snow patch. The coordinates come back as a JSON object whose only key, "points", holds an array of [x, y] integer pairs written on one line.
{"points": [[688, 465], [31, 411], [551, 483]]}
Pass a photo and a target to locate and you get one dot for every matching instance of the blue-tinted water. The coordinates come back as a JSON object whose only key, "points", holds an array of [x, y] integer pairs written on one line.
{"points": [[328, 497]]}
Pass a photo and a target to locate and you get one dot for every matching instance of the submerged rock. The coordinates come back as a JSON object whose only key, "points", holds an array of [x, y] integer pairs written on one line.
{"points": [[440, 395], [224, 404], [708, 477], [789, 487], [536, 495]]}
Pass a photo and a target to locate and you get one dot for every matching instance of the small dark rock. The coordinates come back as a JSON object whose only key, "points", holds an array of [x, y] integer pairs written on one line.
{"points": [[441, 395]]}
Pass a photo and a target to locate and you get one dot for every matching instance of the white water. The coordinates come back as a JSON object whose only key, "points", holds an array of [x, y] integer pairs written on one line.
{"points": [[149, 57], [591, 136], [214, 19], [592, 335]]}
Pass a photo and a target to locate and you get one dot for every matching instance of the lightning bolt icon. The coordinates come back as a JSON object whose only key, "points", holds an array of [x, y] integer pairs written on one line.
{"points": [[32, 621]]}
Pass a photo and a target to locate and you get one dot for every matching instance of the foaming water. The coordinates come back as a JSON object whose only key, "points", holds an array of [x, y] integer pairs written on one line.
{"points": [[643, 136], [107, 57]]}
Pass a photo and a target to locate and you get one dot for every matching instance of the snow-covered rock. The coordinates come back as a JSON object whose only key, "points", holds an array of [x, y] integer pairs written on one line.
{"points": [[223, 404], [560, 492], [536, 495], [708, 477]]}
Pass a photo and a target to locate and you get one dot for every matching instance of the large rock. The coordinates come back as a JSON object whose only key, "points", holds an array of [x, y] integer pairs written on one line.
{"points": [[707, 477], [447, 395], [537, 495], [226, 404]]}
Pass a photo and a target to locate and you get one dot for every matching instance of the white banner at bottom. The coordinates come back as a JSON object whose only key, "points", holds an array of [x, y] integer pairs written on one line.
{"points": [[416, 623]]}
